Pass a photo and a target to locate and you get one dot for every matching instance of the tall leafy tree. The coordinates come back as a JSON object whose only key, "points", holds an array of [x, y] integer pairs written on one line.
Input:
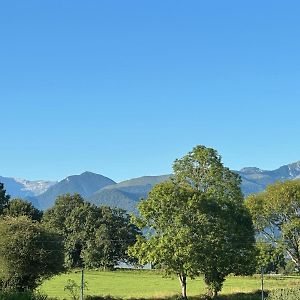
{"points": [[172, 241], [4, 198], [29, 253], [58, 218], [231, 248], [198, 222], [276, 215]]}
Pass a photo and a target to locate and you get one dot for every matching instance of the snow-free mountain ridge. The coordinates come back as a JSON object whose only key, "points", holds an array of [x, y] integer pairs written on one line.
{"points": [[84, 184], [126, 194]]}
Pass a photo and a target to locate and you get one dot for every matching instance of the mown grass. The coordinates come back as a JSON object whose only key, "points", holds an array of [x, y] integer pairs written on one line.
{"points": [[147, 284]]}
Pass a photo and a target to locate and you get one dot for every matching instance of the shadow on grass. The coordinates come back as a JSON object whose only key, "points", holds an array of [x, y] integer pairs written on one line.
{"points": [[242, 296], [238, 296]]}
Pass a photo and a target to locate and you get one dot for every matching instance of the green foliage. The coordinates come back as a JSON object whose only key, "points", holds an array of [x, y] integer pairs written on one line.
{"points": [[58, 219], [57, 215], [113, 234], [228, 235], [276, 216], [94, 236], [28, 253], [269, 257], [203, 170], [285, 294], [4, 198], [20, 207], [239, 296], [88, 297], [74, 288], [198, 222], [289, 268], [28, 295], [170, 245]]}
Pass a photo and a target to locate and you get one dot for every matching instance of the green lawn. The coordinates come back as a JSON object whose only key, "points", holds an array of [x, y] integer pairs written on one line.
{"points": [[152, 284]]}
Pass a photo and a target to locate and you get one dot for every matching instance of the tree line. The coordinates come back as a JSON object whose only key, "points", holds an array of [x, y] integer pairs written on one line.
{"points": [[72, 234], [197, 222]]}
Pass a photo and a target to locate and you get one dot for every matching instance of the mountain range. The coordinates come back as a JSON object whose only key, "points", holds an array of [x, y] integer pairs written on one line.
{"points": [[25, 188], [102, 190], [255, 180]]}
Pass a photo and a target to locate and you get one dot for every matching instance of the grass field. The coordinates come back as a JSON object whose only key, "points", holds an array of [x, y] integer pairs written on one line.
{"points": [[152, 284]]}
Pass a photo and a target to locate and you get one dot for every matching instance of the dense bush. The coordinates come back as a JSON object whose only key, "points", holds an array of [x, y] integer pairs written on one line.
{"points": [[23, 296], [28, 254], [101, 298], [290, 268], [241, 296], [238, 296], [285, 294]]}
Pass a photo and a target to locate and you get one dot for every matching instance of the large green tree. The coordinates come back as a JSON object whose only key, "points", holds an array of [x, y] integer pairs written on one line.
{"points": [[170, 243], [198, 222], [231, 226], [29, 253], [276, 215], [57, 219], [4, 198], [94, 236]]}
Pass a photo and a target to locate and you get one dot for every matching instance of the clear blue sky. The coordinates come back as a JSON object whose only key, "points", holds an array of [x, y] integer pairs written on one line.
{"points": [[122, 88]]}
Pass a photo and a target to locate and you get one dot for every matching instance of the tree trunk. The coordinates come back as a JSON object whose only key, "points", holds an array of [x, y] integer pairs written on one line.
{"points": [[182, 279]]}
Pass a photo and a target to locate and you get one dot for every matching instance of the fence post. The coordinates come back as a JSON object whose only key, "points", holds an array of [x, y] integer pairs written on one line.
{"points": [[82, 285], [262, 283]]}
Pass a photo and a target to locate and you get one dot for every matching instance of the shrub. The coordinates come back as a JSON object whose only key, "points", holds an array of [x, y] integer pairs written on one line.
{"points": [[285, 294], [23, 296], [29, 253], [101, 298]]}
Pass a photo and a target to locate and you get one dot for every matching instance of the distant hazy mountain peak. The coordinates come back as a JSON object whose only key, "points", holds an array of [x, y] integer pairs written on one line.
{"points": [[88, 173], [84, 174], [251, 170]]}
